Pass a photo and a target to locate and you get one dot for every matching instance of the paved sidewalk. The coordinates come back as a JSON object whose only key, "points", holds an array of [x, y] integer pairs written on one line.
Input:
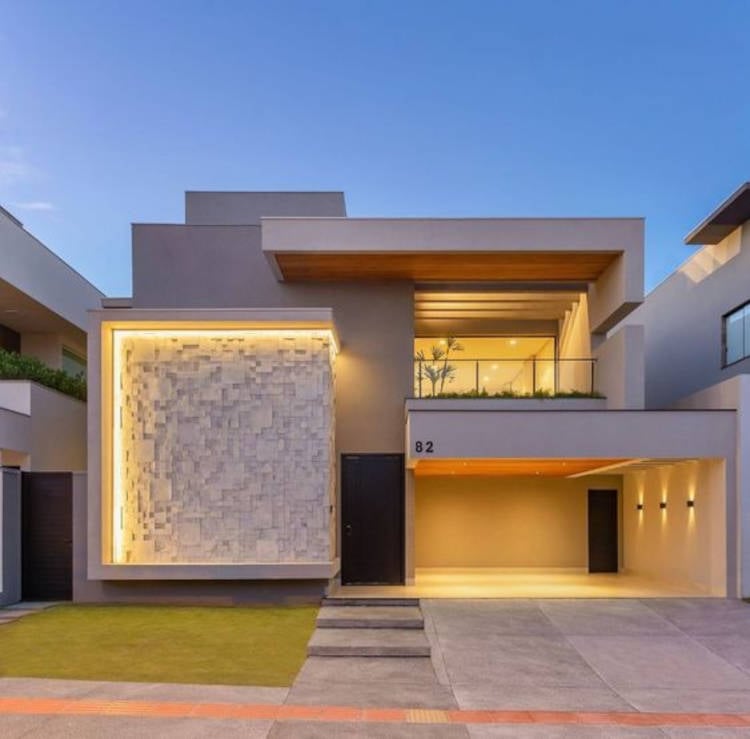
{"points": [[9, 614], [92, 717]]}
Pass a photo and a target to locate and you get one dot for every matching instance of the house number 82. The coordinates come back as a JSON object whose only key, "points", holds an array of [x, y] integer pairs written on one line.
{"points": [[424, 446]]}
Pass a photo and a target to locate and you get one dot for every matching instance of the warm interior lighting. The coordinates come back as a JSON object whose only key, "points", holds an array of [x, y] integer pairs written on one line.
{"points": [[118, 440]]}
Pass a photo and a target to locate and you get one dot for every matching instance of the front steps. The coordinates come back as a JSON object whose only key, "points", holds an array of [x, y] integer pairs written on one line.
{"points": [[349, 627]]}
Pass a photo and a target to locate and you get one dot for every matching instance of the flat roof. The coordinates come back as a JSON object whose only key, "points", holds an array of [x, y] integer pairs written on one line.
{"points": [[733, 212], [447, 249]]}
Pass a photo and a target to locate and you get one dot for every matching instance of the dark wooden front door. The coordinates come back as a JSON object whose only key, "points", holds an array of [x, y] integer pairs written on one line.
{"points": [[47, 536], [372, 518], [603, 539]]}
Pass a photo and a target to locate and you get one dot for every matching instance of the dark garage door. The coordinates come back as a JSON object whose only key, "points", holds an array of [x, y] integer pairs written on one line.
{"points": [[47, 536]]}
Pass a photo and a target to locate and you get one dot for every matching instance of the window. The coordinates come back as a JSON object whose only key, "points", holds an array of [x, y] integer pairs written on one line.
{"points": [[737, 334], [72, 363]]}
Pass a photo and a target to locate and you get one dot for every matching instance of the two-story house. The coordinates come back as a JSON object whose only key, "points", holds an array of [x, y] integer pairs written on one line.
{"points": [[296, 402], [43, 321]]}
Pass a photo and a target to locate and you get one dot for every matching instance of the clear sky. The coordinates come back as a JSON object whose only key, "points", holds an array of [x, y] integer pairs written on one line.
{"points": [[110, 110]]}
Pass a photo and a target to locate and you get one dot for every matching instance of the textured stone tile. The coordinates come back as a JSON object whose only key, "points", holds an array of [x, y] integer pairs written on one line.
{"points": [[229, 448]]}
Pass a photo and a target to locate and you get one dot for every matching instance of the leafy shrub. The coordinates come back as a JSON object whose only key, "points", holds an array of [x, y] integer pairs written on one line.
{"points": [[17, 367], [508, 394]]}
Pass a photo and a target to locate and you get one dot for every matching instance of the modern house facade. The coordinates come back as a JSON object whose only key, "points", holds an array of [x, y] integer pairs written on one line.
{"points": [[44, 308], [296, 402], [697, 349]]}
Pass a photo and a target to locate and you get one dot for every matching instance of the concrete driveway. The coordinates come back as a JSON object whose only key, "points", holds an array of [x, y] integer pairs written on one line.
{"points": [[593, 655]]}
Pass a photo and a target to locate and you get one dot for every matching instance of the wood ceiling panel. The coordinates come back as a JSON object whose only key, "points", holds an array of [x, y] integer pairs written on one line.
{"points": [[469, 305], [530, 315], [536, 296], [509, 467], [445, 266]]}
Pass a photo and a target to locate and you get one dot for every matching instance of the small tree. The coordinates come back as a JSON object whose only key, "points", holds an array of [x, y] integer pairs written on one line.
{"points": [[435, 368], [448, 371]]}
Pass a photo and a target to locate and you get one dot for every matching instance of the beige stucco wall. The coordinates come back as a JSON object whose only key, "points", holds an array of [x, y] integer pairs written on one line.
{"points": [[619, 368], [227, 447], [503, 522], [679, 544], [574, 342]]}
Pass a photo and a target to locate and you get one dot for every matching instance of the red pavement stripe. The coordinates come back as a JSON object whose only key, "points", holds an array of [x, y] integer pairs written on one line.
{"points": [[334, 714]]}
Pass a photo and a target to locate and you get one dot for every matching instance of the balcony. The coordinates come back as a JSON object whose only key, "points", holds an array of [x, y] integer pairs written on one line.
{"points": [[504, 378]]}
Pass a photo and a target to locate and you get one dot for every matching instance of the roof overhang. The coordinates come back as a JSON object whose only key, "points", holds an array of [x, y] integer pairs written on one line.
{"points": [[731, 214], [447, 249]]}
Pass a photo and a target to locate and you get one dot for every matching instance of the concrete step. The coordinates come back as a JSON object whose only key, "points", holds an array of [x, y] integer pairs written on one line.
{"points": [[336, 600], [370, 617], [368, 643]]}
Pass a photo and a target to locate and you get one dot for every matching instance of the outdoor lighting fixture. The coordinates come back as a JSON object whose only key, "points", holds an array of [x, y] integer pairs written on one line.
{"points": [[663, 504], [691, 503], [639, 506]]}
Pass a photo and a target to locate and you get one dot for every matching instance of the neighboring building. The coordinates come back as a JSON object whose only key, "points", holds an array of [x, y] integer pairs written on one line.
{"points": [[265, 420], [43, 314], [698, 338]]}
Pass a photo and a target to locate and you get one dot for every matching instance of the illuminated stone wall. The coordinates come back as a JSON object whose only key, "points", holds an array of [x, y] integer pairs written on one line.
{"points": [[227, 448]]}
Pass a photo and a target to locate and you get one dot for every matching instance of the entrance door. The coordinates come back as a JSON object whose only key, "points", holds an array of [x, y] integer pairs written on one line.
{"points": [[372, 518], [47, 536], [603, 544]]}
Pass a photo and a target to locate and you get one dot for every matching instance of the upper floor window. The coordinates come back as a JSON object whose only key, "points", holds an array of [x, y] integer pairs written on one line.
{"points": [[72, 363], [736, 332]]}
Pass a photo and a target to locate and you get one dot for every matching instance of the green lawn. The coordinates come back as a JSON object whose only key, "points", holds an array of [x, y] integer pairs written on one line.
{"points": [[178, 644]]}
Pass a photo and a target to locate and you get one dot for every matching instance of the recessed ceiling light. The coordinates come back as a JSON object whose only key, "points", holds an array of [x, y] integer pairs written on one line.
{"points": [[512, 342], [494, 366]]}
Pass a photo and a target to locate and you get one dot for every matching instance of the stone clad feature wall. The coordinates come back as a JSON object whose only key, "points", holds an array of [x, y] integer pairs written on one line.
{"points": [[226, 447]]}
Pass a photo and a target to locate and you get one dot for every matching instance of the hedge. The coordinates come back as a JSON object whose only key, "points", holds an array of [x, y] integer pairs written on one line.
{"points": [[17, 367]]}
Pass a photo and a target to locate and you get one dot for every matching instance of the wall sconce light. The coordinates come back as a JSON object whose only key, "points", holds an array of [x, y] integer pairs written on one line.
{"points": [[663, 504], [639, 506], [691, 503]]}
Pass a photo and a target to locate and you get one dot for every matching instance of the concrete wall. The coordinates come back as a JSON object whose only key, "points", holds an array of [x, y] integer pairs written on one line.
{"points": [[46, 427], [58, 431], [678, 544], [683, 320], [465, 429], [247, 208], [32, 268], [504, 522], [620, 368], [734, 393], [10, 536], [574, 342]]}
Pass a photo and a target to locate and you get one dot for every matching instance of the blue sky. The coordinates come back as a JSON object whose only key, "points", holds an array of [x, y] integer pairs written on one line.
{"points": [[110, 110]]}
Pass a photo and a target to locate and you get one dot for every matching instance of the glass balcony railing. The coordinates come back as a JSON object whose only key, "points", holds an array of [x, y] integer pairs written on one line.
{"points": [[504, 377]]}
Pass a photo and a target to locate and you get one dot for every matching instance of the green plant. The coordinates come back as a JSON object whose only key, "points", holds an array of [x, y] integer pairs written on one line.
{"points": [[18, 367], [512, 395], [435, 368]]}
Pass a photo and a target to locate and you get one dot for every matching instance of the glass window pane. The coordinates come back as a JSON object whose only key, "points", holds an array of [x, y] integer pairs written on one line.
{"points": [[734, 327], [746, 348]]}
